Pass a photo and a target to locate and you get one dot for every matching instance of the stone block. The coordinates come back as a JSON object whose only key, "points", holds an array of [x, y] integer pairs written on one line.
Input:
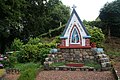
{"points": [[80, 55], [89, 53], [77, 52], [75, 49], [81, 59], [91, 57], [87, 57], [67, 50], [84, 53]]}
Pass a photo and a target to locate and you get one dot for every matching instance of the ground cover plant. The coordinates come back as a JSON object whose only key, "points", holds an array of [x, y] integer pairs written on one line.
{"points": [[92, 63], [57, 64], [28, 70], [29, 56]]}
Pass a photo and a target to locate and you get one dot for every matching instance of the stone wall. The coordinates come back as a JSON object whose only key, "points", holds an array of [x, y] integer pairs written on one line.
{"points": [[77, 55]]}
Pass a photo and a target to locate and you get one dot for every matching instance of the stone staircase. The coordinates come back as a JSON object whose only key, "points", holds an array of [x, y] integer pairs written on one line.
{"points": [[101, 57]]}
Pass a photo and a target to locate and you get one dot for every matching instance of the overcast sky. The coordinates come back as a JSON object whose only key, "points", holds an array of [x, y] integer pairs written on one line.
{"points": [[87, 9]]}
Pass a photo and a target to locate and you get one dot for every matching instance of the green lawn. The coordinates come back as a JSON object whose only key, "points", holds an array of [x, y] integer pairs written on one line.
{"points": [[92, 64], [57, 64], [28, 70]]}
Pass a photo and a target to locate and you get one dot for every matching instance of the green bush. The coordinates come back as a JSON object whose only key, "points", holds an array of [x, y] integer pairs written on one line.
{"points": [[32, 53], [34, 41], [10, 61], [34, 50], [97, 35], [44, 52], [29, 53], [16, 45]]}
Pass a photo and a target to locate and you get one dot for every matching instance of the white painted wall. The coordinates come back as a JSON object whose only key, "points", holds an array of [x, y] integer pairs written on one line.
{"points": [[75, 21]]}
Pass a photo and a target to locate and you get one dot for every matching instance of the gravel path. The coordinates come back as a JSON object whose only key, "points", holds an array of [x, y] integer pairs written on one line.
{"points": [[74, 75]]}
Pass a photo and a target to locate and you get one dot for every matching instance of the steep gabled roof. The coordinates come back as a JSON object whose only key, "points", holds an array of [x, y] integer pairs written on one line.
{"points": [[74, 12]]}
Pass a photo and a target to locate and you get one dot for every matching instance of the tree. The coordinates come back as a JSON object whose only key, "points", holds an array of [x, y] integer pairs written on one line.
{"points": [[25, 18], [10, 21], [110, 16], [41, 16]]}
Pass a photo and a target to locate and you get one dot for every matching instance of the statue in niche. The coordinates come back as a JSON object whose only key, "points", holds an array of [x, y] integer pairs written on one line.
{"points": [[75, 36]]}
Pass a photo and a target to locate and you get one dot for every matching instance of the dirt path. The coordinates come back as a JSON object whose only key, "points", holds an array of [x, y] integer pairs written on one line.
{"points": [[117, 67], [11, 76], [74, 75]]}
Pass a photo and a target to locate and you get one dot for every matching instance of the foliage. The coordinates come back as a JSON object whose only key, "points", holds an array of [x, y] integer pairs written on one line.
{"points": [[57, 64], [25, 18], [53, 32], [42, 17], [113, 54], [10, 61], [93, 64], [29, 53], [110, 16], [97, 35], [56, 40], [16, 45], [34, 41], [28, 70], [2, 72], [11, 18], [32, 53]]}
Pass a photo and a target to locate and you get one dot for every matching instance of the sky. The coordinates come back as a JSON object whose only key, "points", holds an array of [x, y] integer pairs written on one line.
{"points": [[87, 9]]}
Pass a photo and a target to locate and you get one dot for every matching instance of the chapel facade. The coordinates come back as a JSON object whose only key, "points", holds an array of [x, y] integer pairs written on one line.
{"points": [[75, 34]]}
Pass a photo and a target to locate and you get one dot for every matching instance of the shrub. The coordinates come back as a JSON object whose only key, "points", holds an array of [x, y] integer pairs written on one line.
{"points": [[34, 41], [32, 53], [29, 53], [97, 35], [43, 55], [16, 45], [34, 50], [10, 61]]}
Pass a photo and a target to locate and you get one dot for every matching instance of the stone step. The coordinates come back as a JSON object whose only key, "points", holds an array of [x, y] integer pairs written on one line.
{"points": [[66, 68]]}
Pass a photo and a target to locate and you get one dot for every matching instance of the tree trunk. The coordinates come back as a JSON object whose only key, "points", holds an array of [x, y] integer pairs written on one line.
{"points": [[109, 32], [2, 43]]}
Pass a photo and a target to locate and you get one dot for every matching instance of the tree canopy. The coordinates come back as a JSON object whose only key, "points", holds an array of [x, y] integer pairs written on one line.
{"points": [[25, 18], [110, 16]]}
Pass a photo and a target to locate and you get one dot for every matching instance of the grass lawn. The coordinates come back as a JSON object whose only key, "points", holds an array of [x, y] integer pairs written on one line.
{"points": [[28, 70], [92, 64], [57, 64]]}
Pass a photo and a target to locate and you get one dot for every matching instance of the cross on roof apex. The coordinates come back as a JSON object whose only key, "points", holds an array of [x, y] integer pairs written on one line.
{"points": [[74, 7]]}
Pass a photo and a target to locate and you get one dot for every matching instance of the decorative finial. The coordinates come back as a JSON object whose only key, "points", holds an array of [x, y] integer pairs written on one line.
{"points": [[74, 7]]}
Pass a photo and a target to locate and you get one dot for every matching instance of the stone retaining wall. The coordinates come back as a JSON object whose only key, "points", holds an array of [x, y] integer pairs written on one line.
{"points": [[12, 71], [77, 55]]}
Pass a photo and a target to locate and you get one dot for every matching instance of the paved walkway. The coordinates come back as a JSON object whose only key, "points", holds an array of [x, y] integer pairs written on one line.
{"points": [[74, 75]]}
